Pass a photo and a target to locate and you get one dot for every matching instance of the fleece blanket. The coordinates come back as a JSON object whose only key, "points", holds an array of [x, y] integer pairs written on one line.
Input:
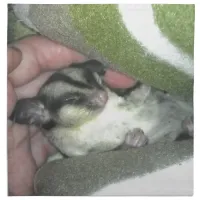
{"points": [[154, 43]]}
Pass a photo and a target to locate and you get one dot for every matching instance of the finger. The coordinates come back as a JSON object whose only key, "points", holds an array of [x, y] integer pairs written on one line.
{"points": [[112, 78], [11, 98], [14, 57], [41, 54], [118, 80], [41, 148], [20, 176], [31, 89]]}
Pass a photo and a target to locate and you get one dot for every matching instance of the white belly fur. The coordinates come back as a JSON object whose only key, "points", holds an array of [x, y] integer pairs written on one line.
{"points": [[106, 132]]}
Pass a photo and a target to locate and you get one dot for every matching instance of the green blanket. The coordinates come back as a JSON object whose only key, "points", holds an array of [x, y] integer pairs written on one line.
{"points": [[154, 43]]}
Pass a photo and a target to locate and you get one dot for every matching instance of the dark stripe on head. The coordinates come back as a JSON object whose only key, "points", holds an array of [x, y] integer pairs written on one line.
{"points": [[70, 98], [77, 84], [66, 79], [92, 65]]}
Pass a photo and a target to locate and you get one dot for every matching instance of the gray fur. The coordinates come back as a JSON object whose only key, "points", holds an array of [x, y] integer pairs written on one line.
{"points": [[92, 118]]}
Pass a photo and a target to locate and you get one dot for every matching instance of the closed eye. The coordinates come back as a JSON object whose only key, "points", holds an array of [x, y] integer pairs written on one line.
{"points": [[72, 98]]}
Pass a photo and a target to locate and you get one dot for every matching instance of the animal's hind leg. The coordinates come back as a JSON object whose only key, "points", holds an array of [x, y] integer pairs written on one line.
{"points": [[185, 133], [188, 125], [136, 138]]}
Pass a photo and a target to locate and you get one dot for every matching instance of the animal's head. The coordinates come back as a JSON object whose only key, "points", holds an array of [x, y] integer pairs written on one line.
{"points": [[69, 97]]}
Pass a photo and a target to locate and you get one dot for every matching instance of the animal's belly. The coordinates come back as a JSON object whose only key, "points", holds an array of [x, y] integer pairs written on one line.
{"points": [[104, 133], [111, 132], [105, 137]]}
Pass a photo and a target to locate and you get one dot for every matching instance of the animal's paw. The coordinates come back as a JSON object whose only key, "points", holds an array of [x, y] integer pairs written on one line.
{"points": [[188, 125], [136, 138]]}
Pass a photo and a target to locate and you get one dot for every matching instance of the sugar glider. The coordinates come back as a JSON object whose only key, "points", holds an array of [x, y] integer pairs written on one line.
{"points": [[80, 114]]}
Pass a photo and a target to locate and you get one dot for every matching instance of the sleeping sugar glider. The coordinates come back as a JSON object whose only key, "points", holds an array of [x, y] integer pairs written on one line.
{"points": [[79, 113]]}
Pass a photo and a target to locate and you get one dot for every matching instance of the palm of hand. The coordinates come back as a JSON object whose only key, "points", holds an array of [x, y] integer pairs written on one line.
{"points": [[27, 148], [27, 71]]}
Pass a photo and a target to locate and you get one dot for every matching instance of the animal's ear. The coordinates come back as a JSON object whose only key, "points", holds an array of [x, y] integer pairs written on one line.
{"points": [[29, 111], [93, 66]]}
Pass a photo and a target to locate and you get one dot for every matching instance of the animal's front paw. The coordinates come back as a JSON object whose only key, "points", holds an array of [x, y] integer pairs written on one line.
{"points": [[136, 138], [188, 125]]}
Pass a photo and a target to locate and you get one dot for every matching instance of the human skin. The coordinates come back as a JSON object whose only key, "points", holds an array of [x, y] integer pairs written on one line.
{"points": [[30, 62]]}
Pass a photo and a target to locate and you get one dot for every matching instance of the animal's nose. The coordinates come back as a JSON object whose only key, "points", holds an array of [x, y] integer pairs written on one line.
{"points": [[99, 98]]}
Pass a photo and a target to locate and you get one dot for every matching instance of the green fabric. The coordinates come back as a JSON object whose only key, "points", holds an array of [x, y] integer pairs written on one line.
{"points": [[101, 27], [16, 29], [86, 174], [98, 32], [177, 22]]}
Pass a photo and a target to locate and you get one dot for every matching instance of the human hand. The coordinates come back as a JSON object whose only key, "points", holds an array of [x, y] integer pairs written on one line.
{"points": [[30, 62]]}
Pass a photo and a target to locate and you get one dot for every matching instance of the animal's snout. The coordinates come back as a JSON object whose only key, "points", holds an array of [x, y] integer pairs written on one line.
{"points": [[99, 98]]}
